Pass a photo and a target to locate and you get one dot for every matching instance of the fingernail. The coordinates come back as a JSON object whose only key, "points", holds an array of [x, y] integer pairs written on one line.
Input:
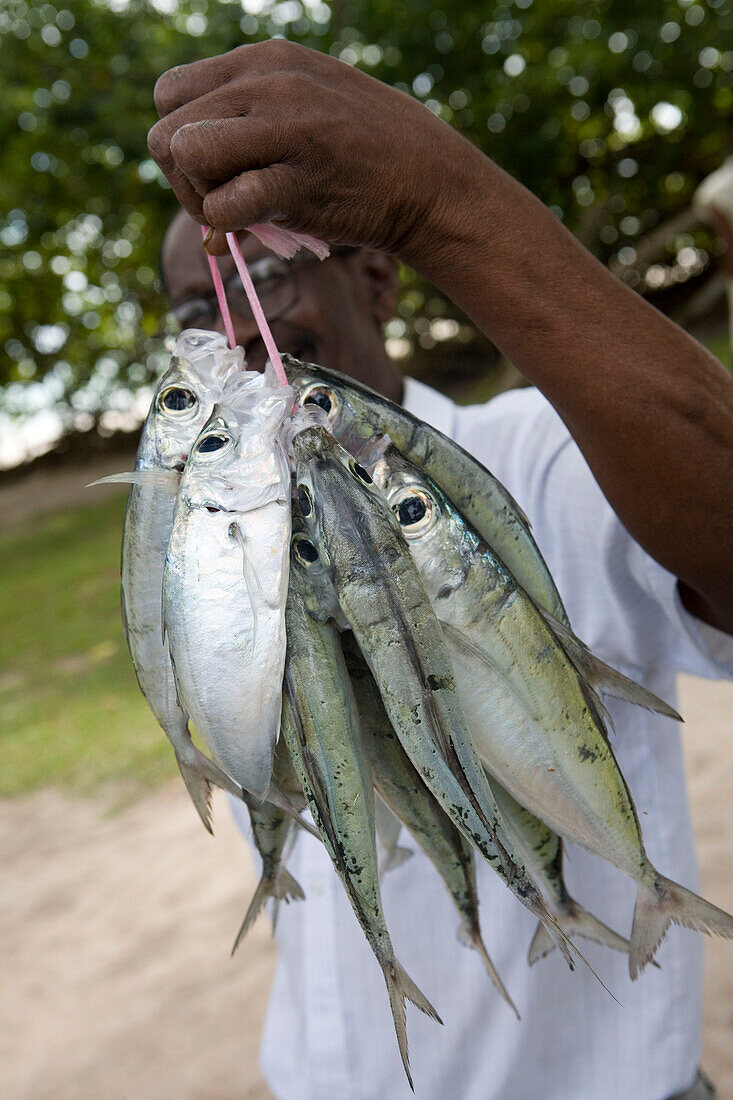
{"points": [[208, 238]]}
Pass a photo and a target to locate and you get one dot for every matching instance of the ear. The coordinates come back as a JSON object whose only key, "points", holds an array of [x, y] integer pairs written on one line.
{"points": [[380, 274]]}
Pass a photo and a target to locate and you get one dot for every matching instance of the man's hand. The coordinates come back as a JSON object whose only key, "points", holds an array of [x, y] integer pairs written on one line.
{"points": [[278, 132]]}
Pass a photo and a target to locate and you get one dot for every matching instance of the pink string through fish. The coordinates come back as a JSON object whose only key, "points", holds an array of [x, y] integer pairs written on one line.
{"points": [[284, 243]]}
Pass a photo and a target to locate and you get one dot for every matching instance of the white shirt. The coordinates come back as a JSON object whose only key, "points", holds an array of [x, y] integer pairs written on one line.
{"points": [[328, 1033]]}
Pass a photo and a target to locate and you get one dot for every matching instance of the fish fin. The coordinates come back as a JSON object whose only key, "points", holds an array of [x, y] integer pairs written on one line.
{"points": [[277, 798], [400, 986], [664, 903], [542, 944], [601, 677], [159, 479], [395, 858], [567, 948], [471, 938], [468, 646], [577, 922], [198, 774], [284, 888]]}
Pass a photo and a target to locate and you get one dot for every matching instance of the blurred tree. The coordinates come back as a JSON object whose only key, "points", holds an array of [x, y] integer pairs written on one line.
{"points": [[610, 111]]}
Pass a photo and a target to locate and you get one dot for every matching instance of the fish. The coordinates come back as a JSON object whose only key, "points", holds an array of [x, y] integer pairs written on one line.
{"points": [[402, 789], [355, 413], [542, 852], [182, 403], [537, 725], [320, 730], [382, 597], [273, 835], [226, 576]]}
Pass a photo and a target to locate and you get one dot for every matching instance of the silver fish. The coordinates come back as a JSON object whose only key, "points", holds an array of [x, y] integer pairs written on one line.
{"points": [[320, 729], [226, 576], [182, 403], [356, 412], [536, 724], [402, 789], [542, 852], [273, 834], [383, 599]]}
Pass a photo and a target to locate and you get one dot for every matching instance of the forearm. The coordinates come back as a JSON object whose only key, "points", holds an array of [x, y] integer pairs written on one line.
{"points": [[649, 407]]}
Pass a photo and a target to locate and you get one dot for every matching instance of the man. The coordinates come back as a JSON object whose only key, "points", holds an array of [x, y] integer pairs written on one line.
{"points": [[641, 555]]}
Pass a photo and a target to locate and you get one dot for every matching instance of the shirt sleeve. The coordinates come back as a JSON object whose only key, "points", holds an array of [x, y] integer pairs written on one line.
{"points": [[622, 602]]}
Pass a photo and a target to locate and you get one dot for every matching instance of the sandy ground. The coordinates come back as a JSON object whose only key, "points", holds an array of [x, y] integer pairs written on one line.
{"points": [[115, 929]]}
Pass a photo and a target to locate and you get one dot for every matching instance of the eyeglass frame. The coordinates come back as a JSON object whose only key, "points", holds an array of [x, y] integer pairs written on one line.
{"points": [[260, 270]]}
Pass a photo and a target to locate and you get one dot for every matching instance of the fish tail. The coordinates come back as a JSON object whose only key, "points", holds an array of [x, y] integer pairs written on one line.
{"points": [[400, 986], [661, 903], [576, 922], [198, 774], [395, 858], [471, 937], [283, 888]]}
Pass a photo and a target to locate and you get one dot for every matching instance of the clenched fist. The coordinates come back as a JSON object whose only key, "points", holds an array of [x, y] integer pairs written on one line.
{"points": [[278, 132]]}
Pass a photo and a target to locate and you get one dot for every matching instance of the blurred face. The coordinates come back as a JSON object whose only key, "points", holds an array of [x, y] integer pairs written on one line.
{"points": [[328, 312]]}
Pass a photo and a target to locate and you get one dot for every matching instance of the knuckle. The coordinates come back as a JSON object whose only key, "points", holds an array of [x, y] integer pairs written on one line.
{"points": [[281, 51], [159, 143], [165, 89]]}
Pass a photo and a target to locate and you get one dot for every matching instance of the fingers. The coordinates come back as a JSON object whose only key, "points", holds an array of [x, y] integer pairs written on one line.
{"points": [[185, 83], [256, 196], [217, 149], [189, 189]]}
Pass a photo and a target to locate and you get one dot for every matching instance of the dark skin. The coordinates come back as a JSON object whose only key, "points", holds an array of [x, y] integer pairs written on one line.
{"points": [[275, 131]]}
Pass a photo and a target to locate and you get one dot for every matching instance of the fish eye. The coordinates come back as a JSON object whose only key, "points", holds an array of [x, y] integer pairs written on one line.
{"points": [[320, 395], [415, 511], [304, 550], [304, 501], [177, 400], [211, 442], [360, 472]]}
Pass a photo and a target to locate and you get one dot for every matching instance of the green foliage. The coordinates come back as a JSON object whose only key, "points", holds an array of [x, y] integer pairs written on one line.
{"points": [[71, 712], [611, 112]]}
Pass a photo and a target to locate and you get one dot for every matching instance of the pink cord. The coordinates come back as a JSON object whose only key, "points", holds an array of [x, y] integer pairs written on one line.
{"points": [[254, 305], [283, 242], [221, 296]]}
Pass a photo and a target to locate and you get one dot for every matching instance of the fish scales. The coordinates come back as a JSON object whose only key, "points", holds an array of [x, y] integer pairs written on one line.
{"points": [[381, 595], [536, 723], [181, 404], [320, 728], [226, 576], [400, 785], [356, 412]]}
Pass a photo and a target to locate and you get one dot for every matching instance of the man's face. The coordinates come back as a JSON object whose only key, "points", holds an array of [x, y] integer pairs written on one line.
{"points": [[334, 309]]}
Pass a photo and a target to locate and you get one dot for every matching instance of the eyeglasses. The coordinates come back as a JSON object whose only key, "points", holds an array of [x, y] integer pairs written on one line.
{"points": [[275, 280]]}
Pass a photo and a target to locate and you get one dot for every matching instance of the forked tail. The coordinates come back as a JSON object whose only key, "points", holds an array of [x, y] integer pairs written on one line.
{"points": [[284, 888], [198, 774], [472, 937], [577, 922], [662, 903], [400, 986]]}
